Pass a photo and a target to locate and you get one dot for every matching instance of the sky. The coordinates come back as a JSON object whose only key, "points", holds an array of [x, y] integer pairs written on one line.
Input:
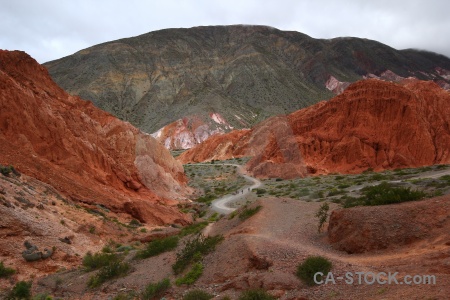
{"points": [[51, 29]]}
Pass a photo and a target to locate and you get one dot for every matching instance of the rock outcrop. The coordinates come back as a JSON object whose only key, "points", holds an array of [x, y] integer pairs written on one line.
{"points": [[373, 124], [191, 130], [244, 73], [85, 153]]}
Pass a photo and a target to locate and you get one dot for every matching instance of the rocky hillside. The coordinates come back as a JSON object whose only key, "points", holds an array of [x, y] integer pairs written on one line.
{"points": [[243, 73], [373, 124], [86, 154]]}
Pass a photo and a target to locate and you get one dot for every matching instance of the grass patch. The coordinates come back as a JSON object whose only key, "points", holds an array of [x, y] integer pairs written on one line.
{"points": [[312, 265], [5, 272], [21, 290], [193, 251], [193, 229], [248, 212], [157, 247], [197, 295], [155, 290], [255, 295], [113, 270], [384, 193], [192, 275], [98, 260]]}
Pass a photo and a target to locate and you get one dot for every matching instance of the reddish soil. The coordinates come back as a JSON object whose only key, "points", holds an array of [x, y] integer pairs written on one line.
{"points": [[265, 250]]}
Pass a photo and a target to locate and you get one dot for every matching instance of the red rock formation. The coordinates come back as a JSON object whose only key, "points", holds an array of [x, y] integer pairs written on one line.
{"points": [[373, 124], [80, 150]]}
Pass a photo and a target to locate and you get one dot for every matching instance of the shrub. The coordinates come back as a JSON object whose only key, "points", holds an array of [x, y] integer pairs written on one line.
{"points": [[193, 229], [194, 249], [384, 193], [43, 297], [248, 212], [5, 272], [260, 191], [155, 290], [22, 290], [192, 275], [197, 295], [158, 246], [255, 295], [98, 260], [322, 215], [110, 271], [312, 265]]}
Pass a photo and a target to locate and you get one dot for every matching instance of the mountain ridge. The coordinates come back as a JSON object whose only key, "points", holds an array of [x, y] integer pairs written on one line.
{"points": [[244, 73]]}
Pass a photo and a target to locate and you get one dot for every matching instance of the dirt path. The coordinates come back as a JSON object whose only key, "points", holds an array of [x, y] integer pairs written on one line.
{"points": [[221, 205]]}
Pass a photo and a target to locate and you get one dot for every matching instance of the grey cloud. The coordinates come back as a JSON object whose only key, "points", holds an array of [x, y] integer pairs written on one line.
{"points": [[50, 29]]}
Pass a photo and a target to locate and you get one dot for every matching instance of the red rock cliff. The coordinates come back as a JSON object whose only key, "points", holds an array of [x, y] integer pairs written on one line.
{"points": [[373, 124], [80, 150]]}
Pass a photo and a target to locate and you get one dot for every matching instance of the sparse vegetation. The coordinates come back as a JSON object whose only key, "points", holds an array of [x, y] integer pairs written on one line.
{"points": [[113, 270], [193, 229], [192, 275], [248, 212], [155, 290], [98, 260], [5, 272], [384, 193], [311, 266], [21, 290], [322, 215], [193, 251], [197, 295], [158, 246], [255, 295]]}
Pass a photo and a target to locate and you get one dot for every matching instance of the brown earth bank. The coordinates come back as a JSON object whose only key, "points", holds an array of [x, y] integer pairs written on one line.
{"points": [[86, 154], [373, 124], [265, 250]]}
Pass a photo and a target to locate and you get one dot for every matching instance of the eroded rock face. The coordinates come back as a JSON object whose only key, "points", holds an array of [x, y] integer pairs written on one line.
{"points": [[80, 150], [373, 124], [189, 131]]}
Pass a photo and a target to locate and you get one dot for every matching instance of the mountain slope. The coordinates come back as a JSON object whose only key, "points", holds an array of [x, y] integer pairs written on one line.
{"points": [[373, 124], [85, 153], [244, 73]]}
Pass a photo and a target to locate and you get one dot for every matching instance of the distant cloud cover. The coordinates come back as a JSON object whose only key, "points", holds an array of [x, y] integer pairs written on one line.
{"points": [[51, 29]]}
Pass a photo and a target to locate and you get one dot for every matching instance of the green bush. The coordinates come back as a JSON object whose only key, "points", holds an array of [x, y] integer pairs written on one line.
{"points": [[192, 275], [110, 271], [44, 296], [193, 229], [22, 290], [312, 265], [384, 193], [155, 290], [260, 191], [248, 212], [255, 295], [5, 272], [322, 215], [98, 260], [197, 295], [193, 251], [159, 246]]}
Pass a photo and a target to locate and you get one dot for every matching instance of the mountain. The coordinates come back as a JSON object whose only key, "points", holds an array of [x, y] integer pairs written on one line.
{"points": [[86, 154], [372, 124], [243, 73]]}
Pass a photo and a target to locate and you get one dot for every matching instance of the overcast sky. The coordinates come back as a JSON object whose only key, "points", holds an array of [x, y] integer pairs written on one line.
{"points": [[51, 29]]}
